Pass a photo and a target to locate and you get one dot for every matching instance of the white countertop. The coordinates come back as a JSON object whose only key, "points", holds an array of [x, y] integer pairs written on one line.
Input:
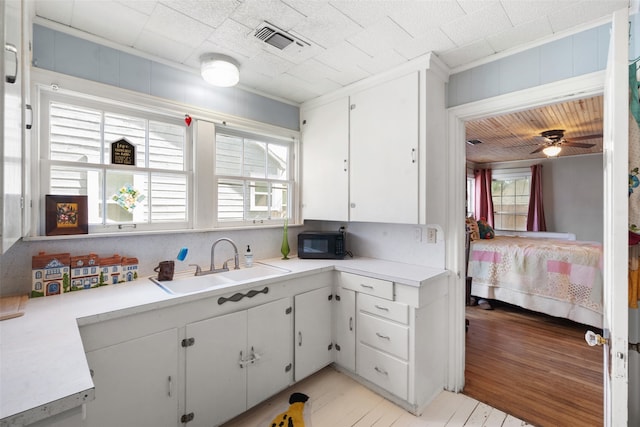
{"points": [[43, 368]]}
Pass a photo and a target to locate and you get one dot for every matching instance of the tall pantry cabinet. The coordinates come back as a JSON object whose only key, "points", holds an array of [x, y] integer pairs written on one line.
{"points": [[366, 149]]}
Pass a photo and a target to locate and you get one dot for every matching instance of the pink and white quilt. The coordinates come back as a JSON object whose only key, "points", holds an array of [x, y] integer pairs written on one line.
{"points": [[562, 278]]}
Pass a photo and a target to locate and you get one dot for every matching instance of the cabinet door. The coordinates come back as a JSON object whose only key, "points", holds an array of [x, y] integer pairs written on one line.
{"points": [[135, 382], [270, 328], [216, 378], [325, 158], [345, 328], [384, 152], [11, 124], [312, 332]]}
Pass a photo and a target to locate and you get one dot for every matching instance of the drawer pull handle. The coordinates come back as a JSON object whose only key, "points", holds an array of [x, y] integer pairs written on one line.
{"points": [[381, 371], [299, 338], [366, 286], [379, 307], [384, 337], [351, 323], [169, 386]]}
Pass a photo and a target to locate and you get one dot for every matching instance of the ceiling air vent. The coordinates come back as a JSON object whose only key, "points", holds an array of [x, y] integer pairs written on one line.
{"points": [[270, 34]]}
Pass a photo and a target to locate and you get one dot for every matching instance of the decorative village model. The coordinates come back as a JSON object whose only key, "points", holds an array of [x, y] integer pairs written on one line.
{"points": [[53, 274]]}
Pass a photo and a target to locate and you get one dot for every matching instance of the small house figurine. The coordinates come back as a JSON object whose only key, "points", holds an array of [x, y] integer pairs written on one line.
{"points": [[50, 274], [110, 270], [129, 269], [85, 272]]}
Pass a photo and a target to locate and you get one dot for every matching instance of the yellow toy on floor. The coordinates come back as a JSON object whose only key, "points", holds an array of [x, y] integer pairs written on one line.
{"points": [[292, 417]]}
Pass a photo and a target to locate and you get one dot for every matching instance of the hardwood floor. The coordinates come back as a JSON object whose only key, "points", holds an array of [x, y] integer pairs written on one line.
{"points": [[336, 400], [535, 367]]}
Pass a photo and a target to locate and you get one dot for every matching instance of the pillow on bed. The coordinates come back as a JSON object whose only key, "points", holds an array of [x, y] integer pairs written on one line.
{"points": [[486, 231], [472, 226]]}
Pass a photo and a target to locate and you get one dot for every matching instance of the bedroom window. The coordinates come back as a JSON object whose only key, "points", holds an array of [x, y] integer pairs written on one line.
{"points": [[254, 177], [510, 195], [147, 191]]}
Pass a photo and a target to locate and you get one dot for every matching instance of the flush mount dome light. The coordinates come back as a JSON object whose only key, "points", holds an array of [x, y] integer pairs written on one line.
{"points": [[219, 70], [552, 150]]}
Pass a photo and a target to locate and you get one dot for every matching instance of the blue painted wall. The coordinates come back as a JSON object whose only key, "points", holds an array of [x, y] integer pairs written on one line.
{"points": [[572, 56], [66, 54]]}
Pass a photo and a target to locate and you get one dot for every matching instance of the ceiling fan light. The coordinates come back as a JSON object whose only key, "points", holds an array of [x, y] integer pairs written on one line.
{"points": [[219, 70], [552, 150]]}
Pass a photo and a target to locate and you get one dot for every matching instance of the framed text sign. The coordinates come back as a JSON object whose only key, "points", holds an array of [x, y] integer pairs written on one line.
{"points": [[123, 153]]}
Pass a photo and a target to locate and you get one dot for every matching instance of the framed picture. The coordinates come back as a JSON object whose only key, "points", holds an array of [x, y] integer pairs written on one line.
{"points": [[66, 215]]}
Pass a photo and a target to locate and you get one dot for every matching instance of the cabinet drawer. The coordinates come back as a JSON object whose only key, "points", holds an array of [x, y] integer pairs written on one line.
{"points": [[367, 285], [384, 335], [380, 307], [383, 370]]}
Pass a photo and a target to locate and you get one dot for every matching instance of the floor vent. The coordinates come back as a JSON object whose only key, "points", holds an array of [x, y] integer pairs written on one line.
{"points": [[274, 36]]}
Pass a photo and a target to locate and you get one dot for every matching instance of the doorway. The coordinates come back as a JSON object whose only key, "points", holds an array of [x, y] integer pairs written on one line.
{"points": [[579, 87]]}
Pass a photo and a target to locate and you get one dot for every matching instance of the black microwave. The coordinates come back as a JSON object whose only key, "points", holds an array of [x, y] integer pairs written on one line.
{"points": [[322, 245]]}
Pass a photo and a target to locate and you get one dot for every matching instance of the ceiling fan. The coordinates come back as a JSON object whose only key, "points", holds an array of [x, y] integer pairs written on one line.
{"points": [[555, 140]]}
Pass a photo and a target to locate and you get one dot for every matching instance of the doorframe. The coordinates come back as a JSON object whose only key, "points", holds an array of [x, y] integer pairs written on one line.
{"points": [[584, 86]]}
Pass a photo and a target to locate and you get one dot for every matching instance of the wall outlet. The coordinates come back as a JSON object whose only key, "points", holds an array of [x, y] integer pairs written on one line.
{"points": [[432, 235]]}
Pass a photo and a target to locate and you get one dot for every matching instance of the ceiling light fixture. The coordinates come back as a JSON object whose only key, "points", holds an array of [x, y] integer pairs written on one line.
{"points": [[552, 150], [219, 70]]}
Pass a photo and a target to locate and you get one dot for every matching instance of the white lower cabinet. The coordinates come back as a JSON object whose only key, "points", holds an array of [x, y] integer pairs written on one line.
{"points": [[313, 332], [136, 382], [345, 328], [237, 360]]}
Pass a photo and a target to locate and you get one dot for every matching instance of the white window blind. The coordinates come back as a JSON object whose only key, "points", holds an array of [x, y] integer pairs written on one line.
{"points": [[152, 194], [253, 176]]}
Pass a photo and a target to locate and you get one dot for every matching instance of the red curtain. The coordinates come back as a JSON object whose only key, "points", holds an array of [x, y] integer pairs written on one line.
{"points": [[484, 204], [535, 217]]}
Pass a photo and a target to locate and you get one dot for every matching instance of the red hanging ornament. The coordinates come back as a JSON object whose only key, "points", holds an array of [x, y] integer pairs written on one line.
{"points": [[187, 119]]}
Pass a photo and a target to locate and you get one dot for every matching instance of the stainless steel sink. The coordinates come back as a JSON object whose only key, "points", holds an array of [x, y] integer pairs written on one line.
{"points": [[191, 284]]}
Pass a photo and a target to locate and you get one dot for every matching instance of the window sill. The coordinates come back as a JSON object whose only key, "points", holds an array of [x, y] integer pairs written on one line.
{"points": [[151, 233]]}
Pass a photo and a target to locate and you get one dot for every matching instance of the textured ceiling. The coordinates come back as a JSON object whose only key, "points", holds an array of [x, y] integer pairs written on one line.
{"points": [[349, 39], [514, 136]]}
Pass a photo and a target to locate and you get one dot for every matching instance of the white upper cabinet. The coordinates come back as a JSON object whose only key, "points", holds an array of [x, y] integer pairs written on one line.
{"points": [[376, 151], [325, 161], [384, 152], [11, 124]]}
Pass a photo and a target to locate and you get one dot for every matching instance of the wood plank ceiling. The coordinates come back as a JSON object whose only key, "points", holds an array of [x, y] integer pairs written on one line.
{"points": [[515, 135]]}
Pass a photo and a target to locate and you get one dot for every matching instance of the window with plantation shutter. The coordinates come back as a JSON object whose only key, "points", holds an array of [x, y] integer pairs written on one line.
{"points": [[76, 160], [253, 177]]}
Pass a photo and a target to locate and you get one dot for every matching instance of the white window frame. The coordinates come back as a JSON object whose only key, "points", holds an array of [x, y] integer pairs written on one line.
{"points": [[505, 174], [292, 180], [202, 200], [47, 96]]}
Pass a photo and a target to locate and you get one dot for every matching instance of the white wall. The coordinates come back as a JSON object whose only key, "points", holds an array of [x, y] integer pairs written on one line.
{"points": [[573, 193]]}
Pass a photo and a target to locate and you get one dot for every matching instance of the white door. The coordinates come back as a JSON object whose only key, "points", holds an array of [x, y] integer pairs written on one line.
{"points": [[345, 328], [616, 144], [136, 382], [270, 347], [383, 152], [312, 332], [216, 373], [325, 161]]}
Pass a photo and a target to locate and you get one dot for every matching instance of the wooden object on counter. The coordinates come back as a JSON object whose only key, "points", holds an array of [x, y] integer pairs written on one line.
{"points": [[11, 307]]}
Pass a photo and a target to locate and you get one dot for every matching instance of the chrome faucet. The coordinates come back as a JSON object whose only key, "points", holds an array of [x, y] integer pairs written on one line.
{"points": [[225, 266]]}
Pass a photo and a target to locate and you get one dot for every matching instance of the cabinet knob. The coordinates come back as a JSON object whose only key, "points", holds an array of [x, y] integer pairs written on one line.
{"points": [[352, 205]]}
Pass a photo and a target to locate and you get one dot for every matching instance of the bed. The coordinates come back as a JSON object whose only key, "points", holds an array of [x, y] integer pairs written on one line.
{"points": [[543, 272]]}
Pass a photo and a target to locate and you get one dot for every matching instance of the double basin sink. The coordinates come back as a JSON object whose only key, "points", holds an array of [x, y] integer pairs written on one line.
{"points": [[190, 284]]}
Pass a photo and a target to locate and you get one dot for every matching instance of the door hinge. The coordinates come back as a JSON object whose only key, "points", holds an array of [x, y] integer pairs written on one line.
{"points": [[337, 297], [188, 342], [288, 367], [352, 107], [187, 417], [337, 346], [330, 297], [634, 346], [288, 310], [330, 346]]}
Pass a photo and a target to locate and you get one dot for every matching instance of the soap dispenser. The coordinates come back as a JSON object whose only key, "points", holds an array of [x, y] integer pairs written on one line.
{"points": [[248, 257]]}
